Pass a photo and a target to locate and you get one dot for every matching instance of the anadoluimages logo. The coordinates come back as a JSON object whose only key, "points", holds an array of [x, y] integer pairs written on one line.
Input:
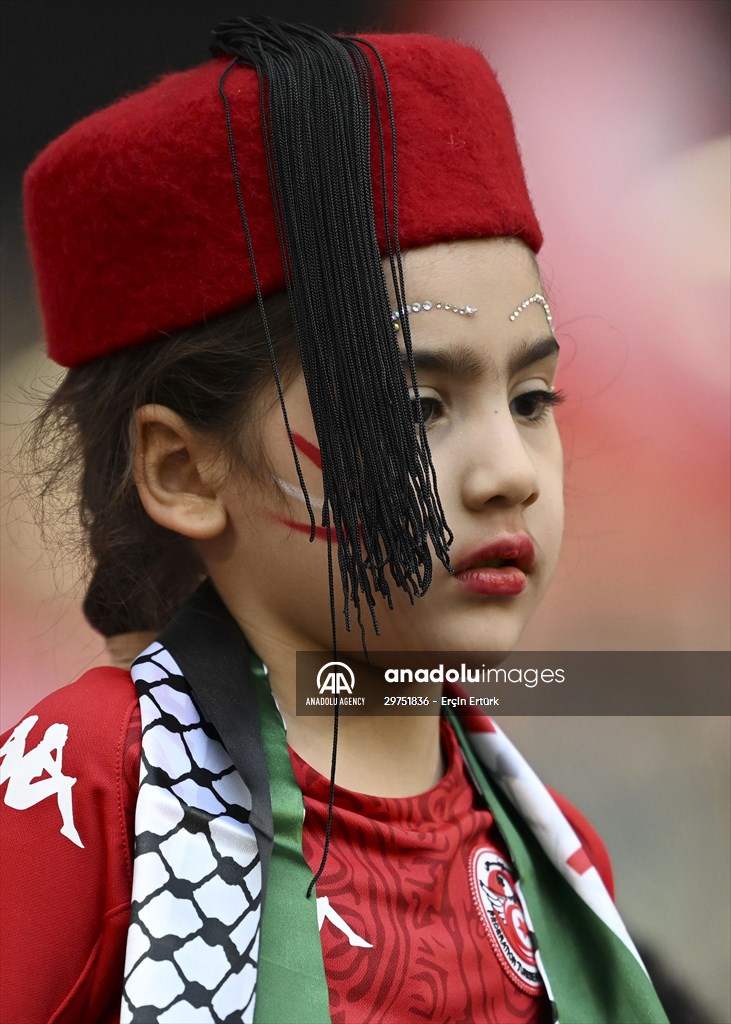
{"points": [[335, 677]]}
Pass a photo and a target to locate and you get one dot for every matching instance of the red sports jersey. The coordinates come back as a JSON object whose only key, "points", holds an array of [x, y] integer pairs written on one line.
{"points": [[396, 878], [400, 878]]}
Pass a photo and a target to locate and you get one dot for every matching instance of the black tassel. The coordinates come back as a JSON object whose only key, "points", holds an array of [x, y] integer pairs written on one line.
{"points": [[317, 98], [379, 483]]}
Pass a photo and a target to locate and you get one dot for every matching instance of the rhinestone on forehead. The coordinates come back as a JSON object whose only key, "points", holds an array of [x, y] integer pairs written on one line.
{"points": [[534, 298], [426, 305]]}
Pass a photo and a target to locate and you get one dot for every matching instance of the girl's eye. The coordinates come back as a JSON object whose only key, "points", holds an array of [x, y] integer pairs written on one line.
{"points": [[534, 406], [430, 409]]}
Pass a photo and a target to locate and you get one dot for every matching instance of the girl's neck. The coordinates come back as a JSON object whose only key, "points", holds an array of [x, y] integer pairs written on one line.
{"points": [[387, 756], [123, 648]]}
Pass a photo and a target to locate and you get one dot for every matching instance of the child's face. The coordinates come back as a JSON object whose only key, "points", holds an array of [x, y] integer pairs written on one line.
{"points": [[497, 456]]}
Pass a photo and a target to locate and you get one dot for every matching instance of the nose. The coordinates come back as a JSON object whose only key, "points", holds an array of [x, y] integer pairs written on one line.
{"points": [[498, 464]]}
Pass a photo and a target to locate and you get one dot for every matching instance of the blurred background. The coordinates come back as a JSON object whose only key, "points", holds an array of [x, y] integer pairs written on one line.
{"points": [[622, 113]]}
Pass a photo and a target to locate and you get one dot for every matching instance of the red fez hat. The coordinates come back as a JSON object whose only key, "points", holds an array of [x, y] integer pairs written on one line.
{"points": [[132, 217]]}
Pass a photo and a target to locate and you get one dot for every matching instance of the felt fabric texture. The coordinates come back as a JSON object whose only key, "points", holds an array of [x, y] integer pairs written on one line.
{"points": [[131, 214]]}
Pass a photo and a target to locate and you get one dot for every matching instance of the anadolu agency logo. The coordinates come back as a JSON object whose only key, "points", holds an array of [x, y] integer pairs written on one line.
{"points": [[335, 684], [335, 677]]}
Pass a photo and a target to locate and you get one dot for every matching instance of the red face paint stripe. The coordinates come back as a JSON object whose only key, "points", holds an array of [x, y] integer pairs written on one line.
{"points": [[320, 531], [308, 449]]}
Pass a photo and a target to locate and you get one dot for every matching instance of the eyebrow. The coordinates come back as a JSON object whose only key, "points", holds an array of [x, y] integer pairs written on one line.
{"points": [[462, 361]]}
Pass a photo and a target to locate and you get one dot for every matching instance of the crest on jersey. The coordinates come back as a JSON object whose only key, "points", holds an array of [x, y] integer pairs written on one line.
{"points": [[496, 896]]}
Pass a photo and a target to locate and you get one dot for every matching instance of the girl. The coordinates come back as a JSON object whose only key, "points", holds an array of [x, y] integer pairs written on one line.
{"points": [[310, 390]]}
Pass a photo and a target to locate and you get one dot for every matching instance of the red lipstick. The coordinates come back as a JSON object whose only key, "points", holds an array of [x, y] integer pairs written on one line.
{"points": [[498, 569]]}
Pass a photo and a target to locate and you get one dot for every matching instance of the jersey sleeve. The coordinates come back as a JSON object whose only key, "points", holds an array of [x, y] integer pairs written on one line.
{"points": [[589, 838], [68, 780]]}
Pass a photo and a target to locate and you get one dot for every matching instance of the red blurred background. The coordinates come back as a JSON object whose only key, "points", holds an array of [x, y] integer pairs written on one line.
{"points": [[621, 108]]}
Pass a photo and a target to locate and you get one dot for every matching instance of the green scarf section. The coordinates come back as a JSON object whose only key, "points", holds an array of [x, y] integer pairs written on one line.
{"points": [[291, 982], [594, 978]]}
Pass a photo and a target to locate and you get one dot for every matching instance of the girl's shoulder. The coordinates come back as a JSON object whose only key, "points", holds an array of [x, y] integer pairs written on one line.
{"points": [[88, 732], [72, 757], [94, 704], [81, 731], [69, 776]]}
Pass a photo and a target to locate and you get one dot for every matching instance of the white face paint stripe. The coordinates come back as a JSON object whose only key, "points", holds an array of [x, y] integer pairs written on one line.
{"points": [[294, 492], [541, 300]]}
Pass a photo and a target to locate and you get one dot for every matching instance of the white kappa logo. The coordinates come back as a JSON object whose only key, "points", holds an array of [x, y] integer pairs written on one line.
{"points": [[23, 771]]}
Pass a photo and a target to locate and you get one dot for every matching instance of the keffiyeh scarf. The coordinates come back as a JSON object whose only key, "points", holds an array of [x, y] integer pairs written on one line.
{"points": [[221, 929]]}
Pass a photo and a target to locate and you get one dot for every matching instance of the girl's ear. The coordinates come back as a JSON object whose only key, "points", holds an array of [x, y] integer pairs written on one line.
{"points": [[177, 472]]}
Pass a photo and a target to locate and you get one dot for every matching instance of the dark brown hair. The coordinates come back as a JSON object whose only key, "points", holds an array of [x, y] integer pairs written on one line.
{"points": [[82, 443]]}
